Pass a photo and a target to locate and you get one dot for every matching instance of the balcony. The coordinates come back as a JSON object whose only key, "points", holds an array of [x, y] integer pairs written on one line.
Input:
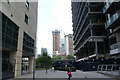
{"points": [[108, 4], [115, 48], [113, 19], [111, 6]]}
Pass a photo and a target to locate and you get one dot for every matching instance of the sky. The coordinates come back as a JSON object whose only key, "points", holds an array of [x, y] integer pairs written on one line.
{"points": [[52, 15]]}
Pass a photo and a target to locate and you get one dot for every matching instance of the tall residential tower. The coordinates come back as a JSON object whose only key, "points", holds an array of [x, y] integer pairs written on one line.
{"points": [[96, 29], [56, 42], [88, 29], [69, 44]]}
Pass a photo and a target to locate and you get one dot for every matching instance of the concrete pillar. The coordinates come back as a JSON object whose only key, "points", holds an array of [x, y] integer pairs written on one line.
{"points": [[0, 42], [96, 49], [91, 31], [119, 72], [31, 64], [0, 65], [18, 54], [118, 36]]}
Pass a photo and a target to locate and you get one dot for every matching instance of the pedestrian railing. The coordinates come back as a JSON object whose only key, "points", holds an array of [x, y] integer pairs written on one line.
{"points": [[112, 69]]}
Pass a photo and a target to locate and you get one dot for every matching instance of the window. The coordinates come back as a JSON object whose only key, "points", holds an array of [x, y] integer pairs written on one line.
{"points": [[113, 40], [9, 33], [62, 44], [26, 19], [28, 44], [27, 4]]}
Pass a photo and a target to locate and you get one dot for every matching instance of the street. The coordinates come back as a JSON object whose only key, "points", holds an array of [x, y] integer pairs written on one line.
{"points": [[62, 75]]}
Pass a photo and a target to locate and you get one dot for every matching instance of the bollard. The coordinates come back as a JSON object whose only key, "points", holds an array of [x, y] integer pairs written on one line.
{"points": [[106, 69], [119, 72], [98, 68], [101, 68], [112, 69]]}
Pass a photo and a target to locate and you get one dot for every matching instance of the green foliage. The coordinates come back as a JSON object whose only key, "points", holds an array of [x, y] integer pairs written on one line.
{"points": [[66, 68], [37, 61], [44, 54], [44, 61], [70, 57], [56, 58]]}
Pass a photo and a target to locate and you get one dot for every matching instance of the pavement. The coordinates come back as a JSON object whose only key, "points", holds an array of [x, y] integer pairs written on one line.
{"points": [[62, 75], [114, 73]]}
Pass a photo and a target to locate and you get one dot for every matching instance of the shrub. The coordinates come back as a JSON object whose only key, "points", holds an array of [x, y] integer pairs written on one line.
{"points": [[66, 68]]}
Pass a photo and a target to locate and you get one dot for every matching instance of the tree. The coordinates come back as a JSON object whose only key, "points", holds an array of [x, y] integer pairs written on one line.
{"points": [[37, 61], [44, 61], [70, 57], [48, 61], [45, 54], [56, 58]]}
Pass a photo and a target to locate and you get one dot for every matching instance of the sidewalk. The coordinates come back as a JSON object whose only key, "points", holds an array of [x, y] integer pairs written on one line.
{"points": [[63, 74], [113, 74]]}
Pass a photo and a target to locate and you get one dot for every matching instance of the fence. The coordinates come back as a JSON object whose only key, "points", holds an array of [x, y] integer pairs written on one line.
{"points": [[112, 69]]}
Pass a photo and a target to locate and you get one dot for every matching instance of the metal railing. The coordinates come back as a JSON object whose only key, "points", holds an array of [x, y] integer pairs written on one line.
{"points": [[112, 19], [108, 4], [115, 46], [112, 69]]}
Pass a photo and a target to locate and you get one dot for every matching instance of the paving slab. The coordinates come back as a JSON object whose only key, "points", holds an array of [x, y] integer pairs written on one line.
{"points": [[62, 75]]}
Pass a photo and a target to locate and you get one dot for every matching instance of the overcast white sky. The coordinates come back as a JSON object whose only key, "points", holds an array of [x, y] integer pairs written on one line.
{"points": [[52, 14]]}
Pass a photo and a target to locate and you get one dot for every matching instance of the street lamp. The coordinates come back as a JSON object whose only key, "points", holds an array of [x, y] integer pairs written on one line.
{"points": [[34, 65], [46, 64]]}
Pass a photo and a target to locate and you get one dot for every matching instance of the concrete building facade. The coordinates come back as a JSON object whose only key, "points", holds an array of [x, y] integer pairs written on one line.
{"points": [[96, 29], [19, 25], [112, 24], [88, 30], [68, 44], [56, 42]]}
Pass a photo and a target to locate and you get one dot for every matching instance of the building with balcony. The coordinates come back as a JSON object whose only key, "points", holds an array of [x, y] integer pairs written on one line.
{"points": [[112, 24], [19, 24], [89, 33]]}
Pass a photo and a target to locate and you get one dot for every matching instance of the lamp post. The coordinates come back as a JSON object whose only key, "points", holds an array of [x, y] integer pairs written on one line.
{"points": [[34, 64], [34, 70], [46, 64]]}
